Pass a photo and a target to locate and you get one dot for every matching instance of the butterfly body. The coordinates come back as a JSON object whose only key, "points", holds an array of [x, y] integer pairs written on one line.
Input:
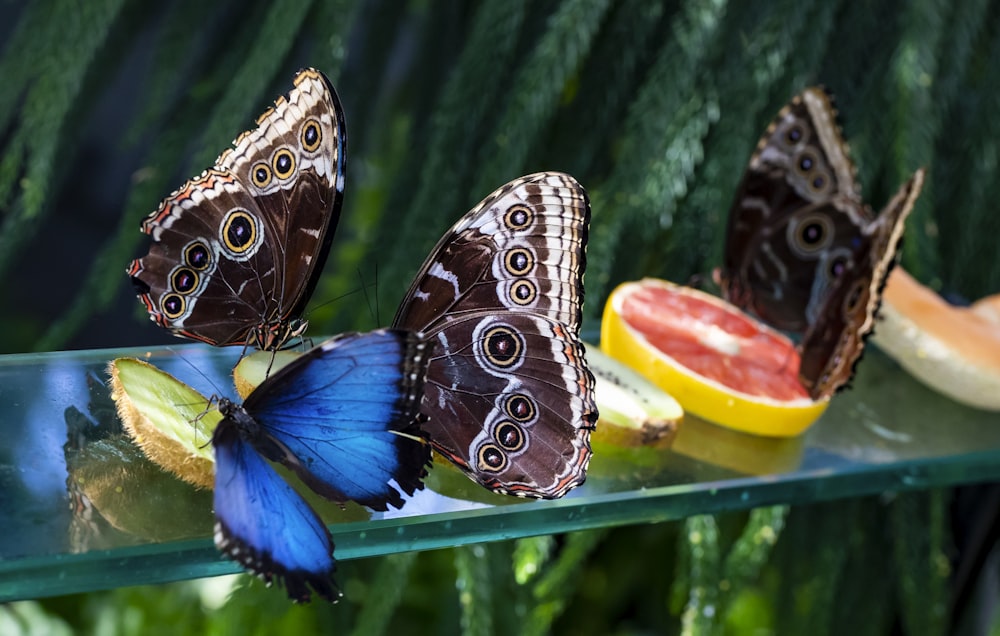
{"points": [[344, 417], [508, 397], [238, 250], [803, 252]]}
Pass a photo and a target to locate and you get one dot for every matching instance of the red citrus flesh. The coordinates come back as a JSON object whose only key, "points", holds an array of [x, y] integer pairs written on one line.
{"points": [[716, 342]]}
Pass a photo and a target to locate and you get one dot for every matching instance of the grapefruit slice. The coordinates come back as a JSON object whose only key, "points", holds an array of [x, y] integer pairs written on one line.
{"points": [[717, 361], [953, 350]]}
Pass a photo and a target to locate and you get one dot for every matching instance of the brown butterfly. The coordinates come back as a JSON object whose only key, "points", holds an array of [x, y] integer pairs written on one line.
{"points": [[509, 397], [803, 252], [237, 251]]}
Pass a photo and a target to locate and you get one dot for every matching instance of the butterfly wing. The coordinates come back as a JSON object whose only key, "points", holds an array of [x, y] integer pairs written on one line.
{"points": [[523, 248], [262, 523], [345, 417], [797, 217], [833, 344], [509, 397], [238, 250]]}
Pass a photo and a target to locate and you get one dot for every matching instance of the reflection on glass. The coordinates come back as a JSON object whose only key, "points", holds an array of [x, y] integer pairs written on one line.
{"points": [[83, 509]]}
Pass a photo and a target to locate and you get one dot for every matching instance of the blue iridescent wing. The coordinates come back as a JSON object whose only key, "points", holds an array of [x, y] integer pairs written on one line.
{"points": [[262, 523], [344, 416]]}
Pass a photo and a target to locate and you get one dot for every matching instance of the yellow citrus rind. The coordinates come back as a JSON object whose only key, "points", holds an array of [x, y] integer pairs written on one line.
{"points": [[697, 394]]}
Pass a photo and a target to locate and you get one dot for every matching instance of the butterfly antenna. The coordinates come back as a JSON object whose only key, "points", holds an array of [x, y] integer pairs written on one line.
{"points": [[211, 404], [378, 318], [333, 300], [197, 370], [368, 300], [212, 399], [270, 363]]}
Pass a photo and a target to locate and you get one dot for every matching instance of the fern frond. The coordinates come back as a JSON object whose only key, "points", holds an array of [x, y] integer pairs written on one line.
{"points": [[474, 581], [178, 51], [245, 91], [473, 89], [608, 79], [666, 100], [71, 45], [753, 548], [536, 90], [913, 69], [701, 611], [530, 556], [856, 75], [331, 23], [971, 158], [919, 529], [561, 580], [17, 63], [390, 582], [747, 70], [107, 270]]}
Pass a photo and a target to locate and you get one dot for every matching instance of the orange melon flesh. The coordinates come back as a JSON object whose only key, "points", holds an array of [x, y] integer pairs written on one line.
{"points": [[988, 309], [954, 350], [718, 362]]}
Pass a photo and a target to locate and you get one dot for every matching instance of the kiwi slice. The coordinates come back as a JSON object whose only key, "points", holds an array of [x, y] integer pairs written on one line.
{"points": [[254, 368], [633, 411], [171, 422]]}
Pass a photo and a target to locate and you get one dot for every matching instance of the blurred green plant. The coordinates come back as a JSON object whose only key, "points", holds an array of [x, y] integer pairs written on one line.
{"points": [[655, 107]]}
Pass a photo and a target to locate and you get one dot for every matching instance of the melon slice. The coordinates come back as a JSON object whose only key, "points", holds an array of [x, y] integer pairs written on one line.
{"points": [[953, 350]]}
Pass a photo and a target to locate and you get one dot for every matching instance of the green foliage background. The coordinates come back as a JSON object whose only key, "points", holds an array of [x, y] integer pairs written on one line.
{"points": [[655, 108]]}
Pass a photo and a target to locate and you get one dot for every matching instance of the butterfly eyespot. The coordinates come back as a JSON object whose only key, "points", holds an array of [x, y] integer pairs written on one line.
{"points": [[794, 134], [510, 436], [172, 305], [312, 135], [519, 407], [260, 174], [491, 458], [283, 163], [811, 234], [518, 217], [239, 231], [197, 256], [502, 347], [818, 180], [519, 261], [523, 292], [837, 267], [183, 280], [806, 162]]}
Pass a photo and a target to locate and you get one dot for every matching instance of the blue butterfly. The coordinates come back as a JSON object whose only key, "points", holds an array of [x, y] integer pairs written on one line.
{"points": [[344, 417]]}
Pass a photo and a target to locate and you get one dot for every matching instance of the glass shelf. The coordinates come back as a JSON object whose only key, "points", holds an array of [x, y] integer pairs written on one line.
{"points": [[81, 509]]}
